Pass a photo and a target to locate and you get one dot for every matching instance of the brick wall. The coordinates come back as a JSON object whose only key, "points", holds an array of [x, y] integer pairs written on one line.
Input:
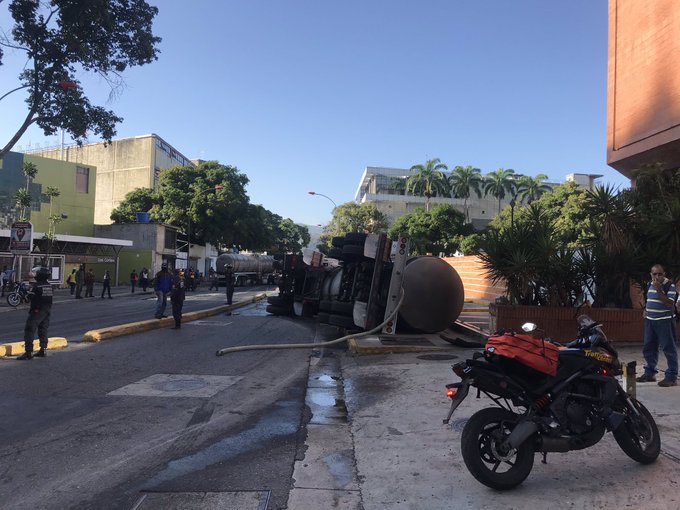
{"points": [[475, 281]]}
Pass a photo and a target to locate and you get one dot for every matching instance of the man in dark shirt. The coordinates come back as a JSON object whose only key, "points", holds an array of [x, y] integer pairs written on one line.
{"points": [[38, 314]]}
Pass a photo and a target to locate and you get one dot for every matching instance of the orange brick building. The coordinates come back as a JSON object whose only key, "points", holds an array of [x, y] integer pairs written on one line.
{"points": [[643, 92]]}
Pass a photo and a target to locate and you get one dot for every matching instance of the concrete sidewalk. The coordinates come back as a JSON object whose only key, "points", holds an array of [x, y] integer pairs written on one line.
{"points": [[394, 453]]}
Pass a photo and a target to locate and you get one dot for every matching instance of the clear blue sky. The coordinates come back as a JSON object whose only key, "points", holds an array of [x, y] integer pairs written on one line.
{"points": [[303, 95]]}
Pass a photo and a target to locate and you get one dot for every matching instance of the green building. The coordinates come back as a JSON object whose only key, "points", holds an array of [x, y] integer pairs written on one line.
{"points": [[63, 226]]}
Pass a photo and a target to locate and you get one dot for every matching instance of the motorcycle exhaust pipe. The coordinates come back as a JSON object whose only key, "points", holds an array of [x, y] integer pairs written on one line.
{"points": [[521, 433], [552, 444]]}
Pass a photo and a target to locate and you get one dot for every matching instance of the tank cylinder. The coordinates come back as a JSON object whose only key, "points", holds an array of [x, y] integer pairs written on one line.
{"points": [[433, 295]]}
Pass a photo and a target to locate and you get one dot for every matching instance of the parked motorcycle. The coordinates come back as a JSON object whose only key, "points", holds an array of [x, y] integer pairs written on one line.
{"points": [[18, 295], [549, 398]]}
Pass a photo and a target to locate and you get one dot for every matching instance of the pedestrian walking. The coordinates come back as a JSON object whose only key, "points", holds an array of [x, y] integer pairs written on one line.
{"points": [[80, 281], [71, 281], [4, 279], [133, 281], [177, 295], [89, 283], [230, 282], [212, 275], [107, 284], [660, 328], [162, 287], [40, 294], [191, 285], [144, 279]]}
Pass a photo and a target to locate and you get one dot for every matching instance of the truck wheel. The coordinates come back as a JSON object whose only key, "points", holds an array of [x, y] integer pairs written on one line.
{"points": [[326, 305], [355, 238], [352, 252], [342, 321], [279, 301], [278, 310], [335, 253], [342, 308]]}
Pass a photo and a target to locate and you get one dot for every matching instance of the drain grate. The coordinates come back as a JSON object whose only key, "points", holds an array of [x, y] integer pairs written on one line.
{"points": [[243, 500]]}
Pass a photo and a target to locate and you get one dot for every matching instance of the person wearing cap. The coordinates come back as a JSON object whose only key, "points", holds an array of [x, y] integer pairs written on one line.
{"points": [[230, 281], [162, 287], [39, 313]]}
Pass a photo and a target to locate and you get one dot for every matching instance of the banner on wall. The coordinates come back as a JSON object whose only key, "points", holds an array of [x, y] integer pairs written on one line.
{"points": [[21, 238]]}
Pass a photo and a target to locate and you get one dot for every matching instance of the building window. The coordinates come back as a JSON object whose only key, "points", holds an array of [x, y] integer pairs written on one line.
{"points": [[82, 179], [170, 239]]}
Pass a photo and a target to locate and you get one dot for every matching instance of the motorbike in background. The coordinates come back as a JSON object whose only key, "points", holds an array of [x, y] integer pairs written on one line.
{"points": [[18, 295], [548, 398]]}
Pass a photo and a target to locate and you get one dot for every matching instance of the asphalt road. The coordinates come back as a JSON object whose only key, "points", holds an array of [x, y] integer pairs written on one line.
{"points": [[72, 318], [101, 425]]}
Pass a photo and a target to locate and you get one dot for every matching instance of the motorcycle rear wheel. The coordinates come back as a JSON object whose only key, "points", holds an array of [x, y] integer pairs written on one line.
{"points": [[13, 299], [638, 436], [485, 458]]}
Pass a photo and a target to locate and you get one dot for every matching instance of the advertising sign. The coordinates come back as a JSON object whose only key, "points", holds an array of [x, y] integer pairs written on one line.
{"points": [[21, 238]]}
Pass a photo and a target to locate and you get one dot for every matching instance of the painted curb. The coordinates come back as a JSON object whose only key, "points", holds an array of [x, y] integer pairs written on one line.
{"points": [[355, 347], [97, 335], [17, 348]]}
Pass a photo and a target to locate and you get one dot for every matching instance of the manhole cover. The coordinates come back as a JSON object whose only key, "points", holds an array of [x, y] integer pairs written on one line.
{"points": [[245, 500], [437, 357]]}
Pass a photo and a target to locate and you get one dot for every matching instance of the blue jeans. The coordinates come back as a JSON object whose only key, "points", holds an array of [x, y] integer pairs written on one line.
{"points": [[161, 303], [660, 334]]}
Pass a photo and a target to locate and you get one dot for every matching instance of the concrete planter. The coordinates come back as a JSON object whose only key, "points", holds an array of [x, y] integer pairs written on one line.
{"points": [[619, 324]]}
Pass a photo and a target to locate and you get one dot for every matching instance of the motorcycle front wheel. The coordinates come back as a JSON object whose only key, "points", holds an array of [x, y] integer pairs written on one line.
{"points": [[13, 299], [638, 436], [485, 457]]}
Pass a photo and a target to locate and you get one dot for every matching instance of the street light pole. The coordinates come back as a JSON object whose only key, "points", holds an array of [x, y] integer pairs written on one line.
{"points": [[322, 195], [216, 188]]}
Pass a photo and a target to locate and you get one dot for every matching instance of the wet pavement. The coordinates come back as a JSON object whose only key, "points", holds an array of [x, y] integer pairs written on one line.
{"points": [[392, 452]]}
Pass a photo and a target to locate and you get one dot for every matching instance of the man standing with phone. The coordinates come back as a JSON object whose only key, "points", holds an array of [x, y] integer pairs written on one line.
{"points": [[660, 328]]}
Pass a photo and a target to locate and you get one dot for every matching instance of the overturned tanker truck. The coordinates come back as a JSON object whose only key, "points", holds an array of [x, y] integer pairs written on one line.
{"points": [[361, 281], [249, 269]]}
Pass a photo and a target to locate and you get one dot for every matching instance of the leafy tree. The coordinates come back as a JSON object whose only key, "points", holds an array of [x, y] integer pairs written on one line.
{"points": [[498, 183], [428, 181], [137, 200], [531, 188], [22, 199], [292, 237], [62, 38], [563, 206], [462, 181], [351, 217], [187, 197], [435, 231]]}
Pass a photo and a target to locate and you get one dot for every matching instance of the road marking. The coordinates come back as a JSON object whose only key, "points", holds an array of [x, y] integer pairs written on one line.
{"points": [[177, 385]]}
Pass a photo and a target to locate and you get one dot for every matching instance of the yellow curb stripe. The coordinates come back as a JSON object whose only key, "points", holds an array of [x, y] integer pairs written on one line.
{"points": [[354, 347], [97, 335], [17, 348]]}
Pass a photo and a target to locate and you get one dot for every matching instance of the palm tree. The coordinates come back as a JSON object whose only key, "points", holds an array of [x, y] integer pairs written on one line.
{"points": [[463, 180], [498, 183], [531, 188], [429, 180]]}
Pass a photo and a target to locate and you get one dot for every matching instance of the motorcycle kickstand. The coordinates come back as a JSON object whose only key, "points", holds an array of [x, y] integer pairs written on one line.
{"points": [[544, 461]]}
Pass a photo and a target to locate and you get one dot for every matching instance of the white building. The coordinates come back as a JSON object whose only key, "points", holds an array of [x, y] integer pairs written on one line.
{"points": [[385, 187]]}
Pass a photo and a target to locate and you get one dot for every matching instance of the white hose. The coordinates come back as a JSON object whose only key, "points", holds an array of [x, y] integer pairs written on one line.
{"points": [[240, 348]]}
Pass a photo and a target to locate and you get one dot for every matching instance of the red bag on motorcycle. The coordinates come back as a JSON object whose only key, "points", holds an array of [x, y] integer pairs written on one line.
{"points": [[528, 350]]}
